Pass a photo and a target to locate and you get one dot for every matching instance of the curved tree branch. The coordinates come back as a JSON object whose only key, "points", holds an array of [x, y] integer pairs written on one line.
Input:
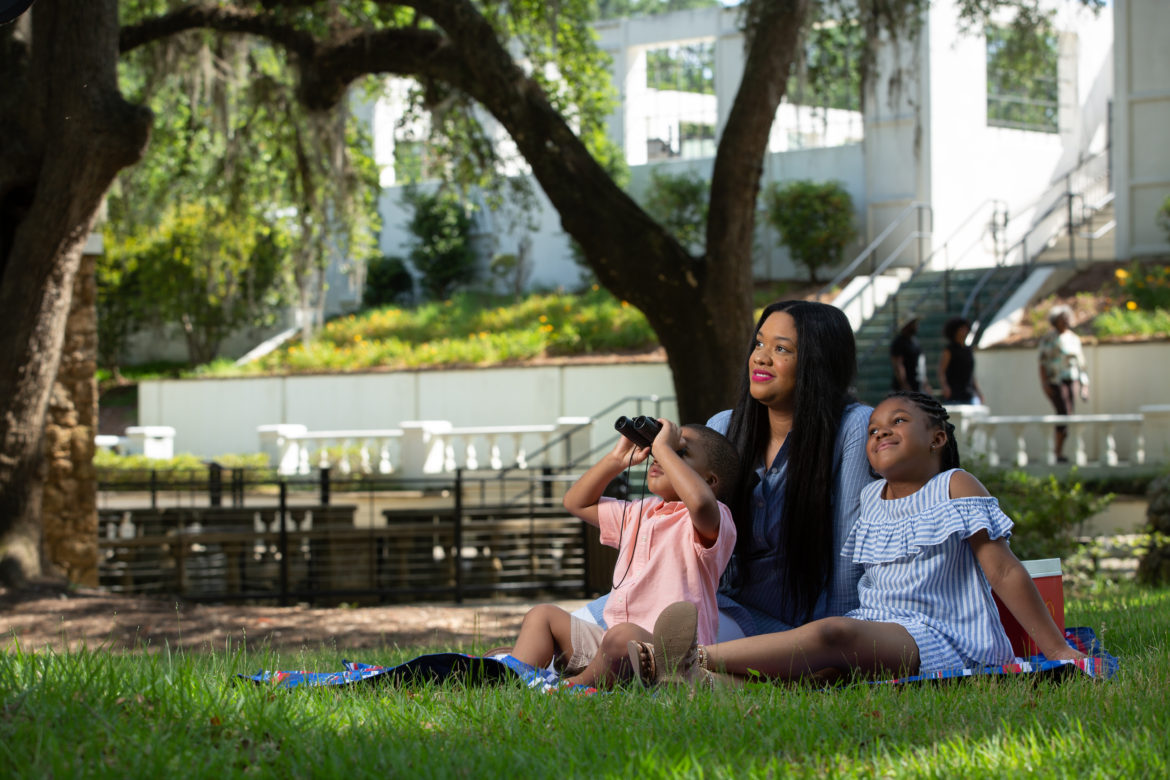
{"points": [[222, 18]]}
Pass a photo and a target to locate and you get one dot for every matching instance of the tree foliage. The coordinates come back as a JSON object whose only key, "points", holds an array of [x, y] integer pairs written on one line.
{"points": [[814, 220], [230, 135], [828, 73], [1023, 90], [612, 9], [679, 203], [685, 68], [207, 272]]}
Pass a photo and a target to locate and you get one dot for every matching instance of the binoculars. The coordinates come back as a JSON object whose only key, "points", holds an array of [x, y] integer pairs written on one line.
{"points": [[641, 430]]}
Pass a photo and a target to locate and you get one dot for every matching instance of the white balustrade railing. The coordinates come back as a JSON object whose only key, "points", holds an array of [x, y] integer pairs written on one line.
{"points": [[1102, 440], [430, 447], [1088, 435], [421, 447]]}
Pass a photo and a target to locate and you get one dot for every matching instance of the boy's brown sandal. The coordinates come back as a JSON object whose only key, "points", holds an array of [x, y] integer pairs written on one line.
{"points": [[681, 661], [642, 662]]}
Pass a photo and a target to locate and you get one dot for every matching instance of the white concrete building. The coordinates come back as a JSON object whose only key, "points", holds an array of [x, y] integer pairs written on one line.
{"points": [[924, 137], [1141, 115]]}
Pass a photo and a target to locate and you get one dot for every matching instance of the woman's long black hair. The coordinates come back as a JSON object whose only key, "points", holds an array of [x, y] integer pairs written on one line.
{"points": [[825, 366]]}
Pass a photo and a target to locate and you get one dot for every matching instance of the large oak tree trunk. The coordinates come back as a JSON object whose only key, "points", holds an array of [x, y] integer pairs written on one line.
{"points": [[67, 133]]}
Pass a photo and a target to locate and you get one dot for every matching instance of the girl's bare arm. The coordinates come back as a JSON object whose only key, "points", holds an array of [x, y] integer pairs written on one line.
{"points": [[1012, 583]]}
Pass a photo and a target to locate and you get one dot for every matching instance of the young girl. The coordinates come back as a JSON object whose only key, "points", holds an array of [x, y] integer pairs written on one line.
{"points": [[933, 544]]}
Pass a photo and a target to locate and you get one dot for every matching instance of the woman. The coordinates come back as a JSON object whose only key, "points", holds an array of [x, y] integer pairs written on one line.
{"points": [[956, 365], [1062, 371], [802, 442]]}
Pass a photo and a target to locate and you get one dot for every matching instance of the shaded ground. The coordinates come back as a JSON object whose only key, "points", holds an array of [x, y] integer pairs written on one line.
{"points": [[49, 616]]}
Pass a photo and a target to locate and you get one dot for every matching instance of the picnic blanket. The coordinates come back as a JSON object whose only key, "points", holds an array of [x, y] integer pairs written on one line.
{"points": [[473, 669]]}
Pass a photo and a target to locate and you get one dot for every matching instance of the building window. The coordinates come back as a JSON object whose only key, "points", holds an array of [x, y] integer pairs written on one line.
{"points": [[682, 68], [681, 108], [830, 74], [822, 102], [1022, 86]]}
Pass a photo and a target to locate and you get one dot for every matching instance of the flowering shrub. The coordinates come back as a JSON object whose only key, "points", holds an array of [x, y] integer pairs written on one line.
{"points": [[464, 330], [1144, 287]]}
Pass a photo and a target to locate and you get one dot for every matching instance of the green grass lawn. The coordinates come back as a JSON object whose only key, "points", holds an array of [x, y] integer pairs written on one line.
{"points": [[163, 714]]}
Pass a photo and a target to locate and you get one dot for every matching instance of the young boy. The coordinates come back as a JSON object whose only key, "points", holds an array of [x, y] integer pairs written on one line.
{"points": [[671, 547]]}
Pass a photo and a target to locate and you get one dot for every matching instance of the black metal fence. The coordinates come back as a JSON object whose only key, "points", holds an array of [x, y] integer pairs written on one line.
{"points": [[231, 534]]}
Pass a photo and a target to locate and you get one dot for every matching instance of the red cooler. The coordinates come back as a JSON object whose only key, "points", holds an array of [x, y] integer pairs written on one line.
{"points": [[1047, 576]]}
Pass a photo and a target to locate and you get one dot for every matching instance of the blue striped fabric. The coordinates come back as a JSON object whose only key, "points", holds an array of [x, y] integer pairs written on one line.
{"points": [[921, 573]]}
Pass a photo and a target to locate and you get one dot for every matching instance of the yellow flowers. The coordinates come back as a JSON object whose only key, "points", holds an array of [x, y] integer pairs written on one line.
{"points": [[1144, 288]]}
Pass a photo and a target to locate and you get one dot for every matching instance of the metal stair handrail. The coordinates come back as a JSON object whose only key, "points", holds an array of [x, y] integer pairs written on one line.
{"points": [[997, 207], [1064, 200], [916, 208], [638, 400]]}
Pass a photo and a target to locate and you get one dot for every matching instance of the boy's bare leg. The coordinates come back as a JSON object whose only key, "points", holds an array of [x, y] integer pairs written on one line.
{"points": [[831, 643], [545, 633], [612, 662]]}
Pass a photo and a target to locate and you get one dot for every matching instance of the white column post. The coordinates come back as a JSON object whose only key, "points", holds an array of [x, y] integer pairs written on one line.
{"points": [[281, 443], [423, 447], [1155, 430], [578, 433], [153, 441]]}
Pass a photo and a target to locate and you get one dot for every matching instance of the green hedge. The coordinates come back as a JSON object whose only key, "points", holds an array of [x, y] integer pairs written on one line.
{"points": [[1049, 511]]}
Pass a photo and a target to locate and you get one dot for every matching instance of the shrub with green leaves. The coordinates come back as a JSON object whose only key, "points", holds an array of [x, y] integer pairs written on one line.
{"points": [[442, 251], [1144, 286], [1049, 511], [814, 220], [679, 203], [388, 281], [122, 469], [1164, 217], [1138, 322]]}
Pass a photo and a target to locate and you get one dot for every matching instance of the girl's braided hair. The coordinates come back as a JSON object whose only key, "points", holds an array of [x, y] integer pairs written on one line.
{"points": [[938, 418]]}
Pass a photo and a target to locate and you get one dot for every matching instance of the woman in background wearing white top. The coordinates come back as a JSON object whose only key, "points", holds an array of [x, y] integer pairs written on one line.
{"points": [[1062, 370]]}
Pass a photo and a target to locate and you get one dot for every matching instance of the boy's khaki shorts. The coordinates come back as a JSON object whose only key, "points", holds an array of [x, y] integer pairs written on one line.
{"points": [[586, 638]]}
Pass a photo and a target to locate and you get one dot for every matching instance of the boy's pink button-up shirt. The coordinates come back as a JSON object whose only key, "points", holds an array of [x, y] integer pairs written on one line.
{"points": [[661, 560]]}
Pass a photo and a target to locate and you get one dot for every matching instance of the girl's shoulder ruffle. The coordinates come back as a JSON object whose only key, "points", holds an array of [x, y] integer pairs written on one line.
{"points": [[877, 537]]}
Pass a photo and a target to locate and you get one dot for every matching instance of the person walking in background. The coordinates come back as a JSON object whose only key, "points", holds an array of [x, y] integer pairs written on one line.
{"points": [[907, 358], [1062, 371], [956, 365]]}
